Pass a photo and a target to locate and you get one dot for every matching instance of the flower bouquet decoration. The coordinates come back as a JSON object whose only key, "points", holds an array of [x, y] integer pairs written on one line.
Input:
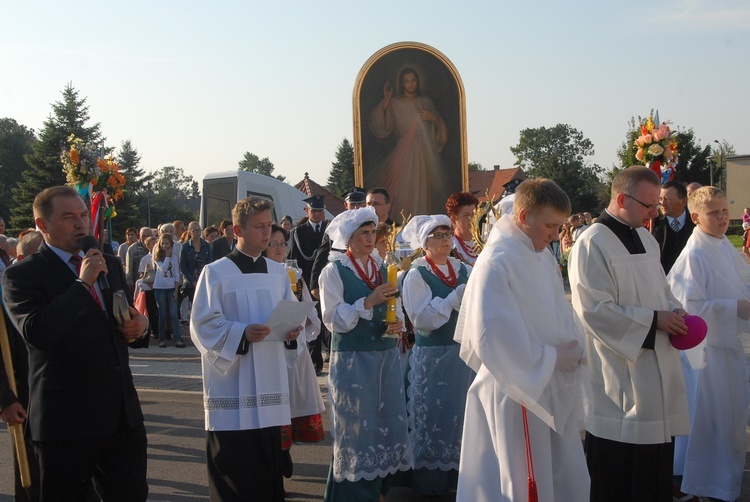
{"points": [[98, 180], [657, 147]]}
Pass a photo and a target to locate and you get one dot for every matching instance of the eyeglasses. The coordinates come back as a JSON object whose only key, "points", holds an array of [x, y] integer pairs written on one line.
{"points": [[277, 244], [647, 206], [440, 235]]}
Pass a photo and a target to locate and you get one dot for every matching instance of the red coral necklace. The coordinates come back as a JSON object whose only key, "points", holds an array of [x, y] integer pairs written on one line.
{"points": [[468, 251], [374, 279], [451, 280]]}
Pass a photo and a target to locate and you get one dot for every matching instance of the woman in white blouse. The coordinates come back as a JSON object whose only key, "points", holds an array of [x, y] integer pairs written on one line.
{"points": [[166, 287], [437, 379], [370, 440]]}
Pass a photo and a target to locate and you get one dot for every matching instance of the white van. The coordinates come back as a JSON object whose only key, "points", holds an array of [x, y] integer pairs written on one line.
{"points": [[222, 190]]}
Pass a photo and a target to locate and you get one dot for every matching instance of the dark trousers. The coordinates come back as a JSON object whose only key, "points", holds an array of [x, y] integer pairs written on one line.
{"points": [[153, 312], [624, 472], [117, 465], [316, 346], [245, 465]]}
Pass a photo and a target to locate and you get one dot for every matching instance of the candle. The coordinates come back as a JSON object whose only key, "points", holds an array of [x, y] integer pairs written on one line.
{"points": [[390, 313], [292, 278]]}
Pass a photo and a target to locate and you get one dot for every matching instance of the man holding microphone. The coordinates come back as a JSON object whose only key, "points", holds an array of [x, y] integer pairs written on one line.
{"points": [[85, 416]]}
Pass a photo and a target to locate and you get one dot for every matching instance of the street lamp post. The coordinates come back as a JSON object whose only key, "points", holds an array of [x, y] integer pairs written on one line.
{"points": [[148, 202], [721, 159]]}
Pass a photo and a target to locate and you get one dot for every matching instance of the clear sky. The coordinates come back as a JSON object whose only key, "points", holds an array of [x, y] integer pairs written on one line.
{"points": [[197, 84]]}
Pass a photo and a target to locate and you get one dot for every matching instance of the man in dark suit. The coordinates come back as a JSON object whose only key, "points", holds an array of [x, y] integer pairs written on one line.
{"points": [[379, 199], [672, 230], [225, 243], [84, 413]]}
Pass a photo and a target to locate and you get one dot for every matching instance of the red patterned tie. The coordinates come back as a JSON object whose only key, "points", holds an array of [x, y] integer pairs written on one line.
{"points": [[76, 261]]}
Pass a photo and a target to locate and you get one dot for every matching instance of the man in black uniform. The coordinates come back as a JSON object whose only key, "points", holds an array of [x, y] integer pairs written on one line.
{"points": [[306, 237]]}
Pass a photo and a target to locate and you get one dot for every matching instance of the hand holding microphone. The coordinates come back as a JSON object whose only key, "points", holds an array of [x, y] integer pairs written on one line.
{"points": [[94, 266]]}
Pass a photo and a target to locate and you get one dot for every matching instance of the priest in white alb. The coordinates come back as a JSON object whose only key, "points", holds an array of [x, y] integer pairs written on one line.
{"points": [[519, 333], [638, 402], [245, 384], [712, 280]]}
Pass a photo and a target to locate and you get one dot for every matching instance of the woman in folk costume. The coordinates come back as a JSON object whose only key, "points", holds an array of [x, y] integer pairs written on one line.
{"points": [[437, 379], [370, 440], [305, 401], [711, 279], [460, 207], [520, 334]]}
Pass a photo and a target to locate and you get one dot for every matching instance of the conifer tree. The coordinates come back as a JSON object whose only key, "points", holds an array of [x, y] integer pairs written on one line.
{"points": [[16, 141], [69, 116], [132, 209], [341, 177]]}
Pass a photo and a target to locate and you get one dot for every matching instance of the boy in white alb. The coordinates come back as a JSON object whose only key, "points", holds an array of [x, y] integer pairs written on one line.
{"points": [[519, 333], [711, 279], [245, 384]]}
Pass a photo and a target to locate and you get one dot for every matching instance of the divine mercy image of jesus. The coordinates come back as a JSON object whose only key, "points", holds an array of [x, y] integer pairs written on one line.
{"points": [[410, 129], [421, 136]]}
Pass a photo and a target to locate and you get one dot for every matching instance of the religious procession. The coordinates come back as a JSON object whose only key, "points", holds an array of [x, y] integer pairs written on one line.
{"points": [[477, 351]]}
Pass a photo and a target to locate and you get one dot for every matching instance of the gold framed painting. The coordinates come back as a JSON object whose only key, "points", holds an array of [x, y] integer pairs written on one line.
{"points": [[410, 128]]}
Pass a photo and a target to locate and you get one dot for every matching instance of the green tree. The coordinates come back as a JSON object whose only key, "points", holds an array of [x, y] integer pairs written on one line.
{"points": [[132, 209], [16, 141], [475, 166], [254, 164], [341, 177], [719, 154], [69, 116], [172, 182], [626, 151], [169, 190], [692, 159], [559, 153]]}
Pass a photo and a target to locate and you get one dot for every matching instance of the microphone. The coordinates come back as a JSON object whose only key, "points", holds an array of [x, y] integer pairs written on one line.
{"points": [[91, 242]]}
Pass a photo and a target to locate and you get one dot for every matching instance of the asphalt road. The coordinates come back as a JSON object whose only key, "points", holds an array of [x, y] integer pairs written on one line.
{"points": [[169, 385]]}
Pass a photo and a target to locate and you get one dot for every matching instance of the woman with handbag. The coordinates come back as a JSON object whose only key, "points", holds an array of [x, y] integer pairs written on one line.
{"points": [[167, 288], [146, 286]]}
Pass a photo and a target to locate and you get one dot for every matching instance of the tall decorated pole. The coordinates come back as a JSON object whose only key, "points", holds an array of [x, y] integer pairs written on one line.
{"points": [[98, 181], [657, 148]]}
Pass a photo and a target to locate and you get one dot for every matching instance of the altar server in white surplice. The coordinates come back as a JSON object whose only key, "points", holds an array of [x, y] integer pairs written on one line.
{"points": [[712, 280], [621, 295], [245, 385], [519, 333]]}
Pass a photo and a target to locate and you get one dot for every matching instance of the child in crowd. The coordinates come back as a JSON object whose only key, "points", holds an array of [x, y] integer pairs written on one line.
{"points": [[711, 279]]}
